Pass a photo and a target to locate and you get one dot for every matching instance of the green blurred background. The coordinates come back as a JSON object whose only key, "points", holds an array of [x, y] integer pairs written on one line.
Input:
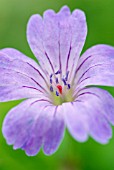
{"points": [[71, 155]]}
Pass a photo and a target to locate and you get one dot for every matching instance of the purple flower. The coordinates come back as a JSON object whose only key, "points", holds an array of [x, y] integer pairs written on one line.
{"points": [[58, 91]]}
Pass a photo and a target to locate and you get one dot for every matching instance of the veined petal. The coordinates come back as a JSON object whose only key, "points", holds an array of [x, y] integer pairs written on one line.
{"points": [[29, 124], [18, 65], [35, 39], [101, 49], [48, 41], [103, 99], [76, 120], [55, 134], [99, 106], [96, 67], [52, 35], [8, 93], [19, 75], [79, 33], [15, 54]]}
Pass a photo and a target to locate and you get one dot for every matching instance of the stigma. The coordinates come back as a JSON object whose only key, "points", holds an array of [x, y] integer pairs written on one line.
{"points": [[59, 87], [58, 83]]}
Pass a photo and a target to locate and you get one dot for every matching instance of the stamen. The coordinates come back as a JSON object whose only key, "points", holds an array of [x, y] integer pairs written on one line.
{"points": [[64, 81], [51, 88], [50, 80], [68, 86], [51, 76], [57, 94], [58, 72], [67, 73], [57, 81]]}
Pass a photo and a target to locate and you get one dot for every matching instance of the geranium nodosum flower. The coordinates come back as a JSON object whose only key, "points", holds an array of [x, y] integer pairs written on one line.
{"points": [[57, 90]]}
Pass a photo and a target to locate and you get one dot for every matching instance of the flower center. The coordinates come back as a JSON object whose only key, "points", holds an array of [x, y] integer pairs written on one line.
{"points": [[60, 88]]}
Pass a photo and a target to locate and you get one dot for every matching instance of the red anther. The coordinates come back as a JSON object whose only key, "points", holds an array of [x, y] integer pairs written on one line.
{"points": [[59, 87]]}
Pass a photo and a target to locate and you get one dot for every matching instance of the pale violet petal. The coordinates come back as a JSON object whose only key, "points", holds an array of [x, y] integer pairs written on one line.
{"points": [[100, 98], [96, 67], [55, 134], [48, 41], [27, 126], [76, 120], [15, 54], [16, 76], [100, 112]]}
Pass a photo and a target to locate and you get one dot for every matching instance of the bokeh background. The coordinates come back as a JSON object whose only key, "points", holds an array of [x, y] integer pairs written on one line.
{"points": [[71, 155]]}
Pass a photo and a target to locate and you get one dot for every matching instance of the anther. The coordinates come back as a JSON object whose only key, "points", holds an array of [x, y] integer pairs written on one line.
{"points": [[64, 81], [51, 76], [57, 81], [51, 88], [50, 80], [68, 85], [58, 72], [67, 73], [57, 94]]}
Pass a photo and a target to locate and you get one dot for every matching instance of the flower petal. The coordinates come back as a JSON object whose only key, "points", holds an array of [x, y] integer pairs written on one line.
{"points": [[96, 67], [101, 49], [27, 126], [100, 129], [55, 134], [99, 105], [35, 39], [48, 41], [79, 33], [76, 120], [103, 99], [8, 93], [18, 74], [15, 54]]}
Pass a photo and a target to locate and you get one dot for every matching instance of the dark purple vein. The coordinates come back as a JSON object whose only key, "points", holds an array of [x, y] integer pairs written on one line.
{"points": [[33, 80], [30, 87], [38, 84], [60, 65], [82, 64], [37, 71], [27, 77], [68, 57], [84, 79], [40, 101], [87, 71], [55, 111], [84, 93], [77, 101], [50, 62]]}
